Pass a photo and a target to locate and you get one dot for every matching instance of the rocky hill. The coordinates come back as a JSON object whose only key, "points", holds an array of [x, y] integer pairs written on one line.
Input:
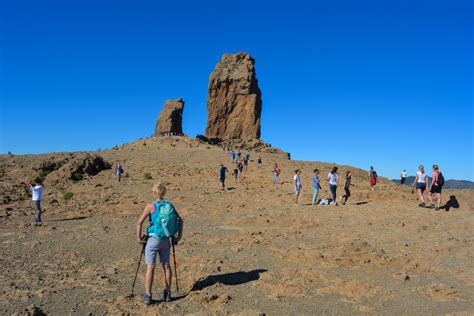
{"points": [[246, 250]]}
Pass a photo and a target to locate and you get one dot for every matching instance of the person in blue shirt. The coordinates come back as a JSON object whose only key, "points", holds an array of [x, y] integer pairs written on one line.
{"points": [[222, 172], [316, 186], [232, 155]]}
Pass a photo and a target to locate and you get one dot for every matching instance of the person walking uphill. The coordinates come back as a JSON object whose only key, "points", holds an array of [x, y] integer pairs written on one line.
{"points": [[420, 181], [276, 174], [222, 172], [373, 178], [333, 179], [298, 185], [437, 182], [316, 186], [37, 196], [165, 225], [347, 187]]}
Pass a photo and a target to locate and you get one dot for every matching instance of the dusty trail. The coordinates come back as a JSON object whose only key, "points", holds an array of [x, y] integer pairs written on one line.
{"points": [[246, 250]]}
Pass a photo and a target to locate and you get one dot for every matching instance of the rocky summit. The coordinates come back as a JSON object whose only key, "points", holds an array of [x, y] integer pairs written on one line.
{"points": [[234, 101], [170, 120]]}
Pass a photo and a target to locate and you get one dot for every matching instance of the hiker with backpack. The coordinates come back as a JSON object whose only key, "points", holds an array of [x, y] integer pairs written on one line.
{"points": [[276, 174], [333, 180], [36, 196], [373, 178], [347, 186], [166, 227], [222, 172], [316, 186], [421, 179], [437, 182], [118, 170]]}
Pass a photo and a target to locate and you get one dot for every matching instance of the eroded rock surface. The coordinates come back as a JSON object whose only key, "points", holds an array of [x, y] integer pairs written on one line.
{"points": [[234, 101], [170, 120]]}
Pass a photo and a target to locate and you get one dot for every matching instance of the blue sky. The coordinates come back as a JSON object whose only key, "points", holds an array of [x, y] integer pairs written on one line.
{"points": [[383, 83]]}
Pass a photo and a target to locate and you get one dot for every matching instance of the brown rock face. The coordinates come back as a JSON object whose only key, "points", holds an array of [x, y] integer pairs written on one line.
{"points": [[170, 120], [234, 100]]}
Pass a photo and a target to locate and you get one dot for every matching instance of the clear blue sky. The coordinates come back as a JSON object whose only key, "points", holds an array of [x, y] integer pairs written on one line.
{"points": [[383, 83]]}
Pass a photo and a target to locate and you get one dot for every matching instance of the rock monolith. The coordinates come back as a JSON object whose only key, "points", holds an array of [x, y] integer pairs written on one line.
{"points": [[234, 100], [170, 120]]}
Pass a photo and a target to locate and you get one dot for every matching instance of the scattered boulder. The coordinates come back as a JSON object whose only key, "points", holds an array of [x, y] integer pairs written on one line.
{"points": [[234, 101], [79, 166], [170, 120]]}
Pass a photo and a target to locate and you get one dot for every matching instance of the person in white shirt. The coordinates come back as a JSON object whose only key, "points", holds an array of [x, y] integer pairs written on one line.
{"points": [[333, 179], [298, 185], [37, 196], [421, 180], [403, 176]]}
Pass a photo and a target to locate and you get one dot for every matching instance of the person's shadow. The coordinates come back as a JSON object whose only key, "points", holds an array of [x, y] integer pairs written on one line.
{"points": [[234, 278], [451, 203]]}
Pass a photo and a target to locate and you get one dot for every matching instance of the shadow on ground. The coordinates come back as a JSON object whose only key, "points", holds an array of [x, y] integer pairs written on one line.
{"points": [[234, 278], [78, 218], [451, 203]]}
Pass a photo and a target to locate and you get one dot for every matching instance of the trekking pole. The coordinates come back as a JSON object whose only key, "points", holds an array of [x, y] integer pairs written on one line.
{"points": [[139, 262], [175, 270]]}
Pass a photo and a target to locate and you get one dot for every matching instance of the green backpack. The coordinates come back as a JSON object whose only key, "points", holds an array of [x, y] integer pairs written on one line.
{"points": [[164, 221]]}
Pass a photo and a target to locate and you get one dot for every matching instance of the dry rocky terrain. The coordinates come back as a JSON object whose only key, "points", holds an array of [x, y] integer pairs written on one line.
{"points": [[246, 250]]}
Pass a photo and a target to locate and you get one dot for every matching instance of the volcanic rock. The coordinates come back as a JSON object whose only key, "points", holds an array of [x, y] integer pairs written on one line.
{"points": [[170, 120], [234, 101]]}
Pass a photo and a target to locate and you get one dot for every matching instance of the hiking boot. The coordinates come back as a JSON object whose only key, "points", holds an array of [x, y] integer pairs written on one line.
{"points": [[146, 299], [166, 295]]}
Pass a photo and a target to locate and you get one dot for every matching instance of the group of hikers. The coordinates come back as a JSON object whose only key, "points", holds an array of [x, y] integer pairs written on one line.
{"points": [[333, 182], [241, 165], [166, 226]]}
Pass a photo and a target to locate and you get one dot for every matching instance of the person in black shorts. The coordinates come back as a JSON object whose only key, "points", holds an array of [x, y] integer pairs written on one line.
{"points": [[435, 188]]}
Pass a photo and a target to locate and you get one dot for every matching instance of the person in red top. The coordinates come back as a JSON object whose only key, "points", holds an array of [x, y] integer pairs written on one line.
{"points": [[435, 187]]}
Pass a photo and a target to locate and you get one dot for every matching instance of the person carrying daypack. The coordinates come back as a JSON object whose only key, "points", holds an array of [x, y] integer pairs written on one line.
{"points": [[373, 178], [437, 182], [166, 226]]}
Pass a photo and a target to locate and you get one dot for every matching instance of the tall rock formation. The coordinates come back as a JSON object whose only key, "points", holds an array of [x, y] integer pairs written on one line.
{"points": [[170, 120], [234, 100]]}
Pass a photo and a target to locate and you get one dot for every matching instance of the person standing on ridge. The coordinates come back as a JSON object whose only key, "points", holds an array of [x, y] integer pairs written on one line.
{"points": [[158, 243], [316, 186], [437, 182], [403, 176], [118, 170], [37, 196], [347, 186], [222, 172], [276, 174], [373, 178], [298, 185], [333, 179], [420, 181]]}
